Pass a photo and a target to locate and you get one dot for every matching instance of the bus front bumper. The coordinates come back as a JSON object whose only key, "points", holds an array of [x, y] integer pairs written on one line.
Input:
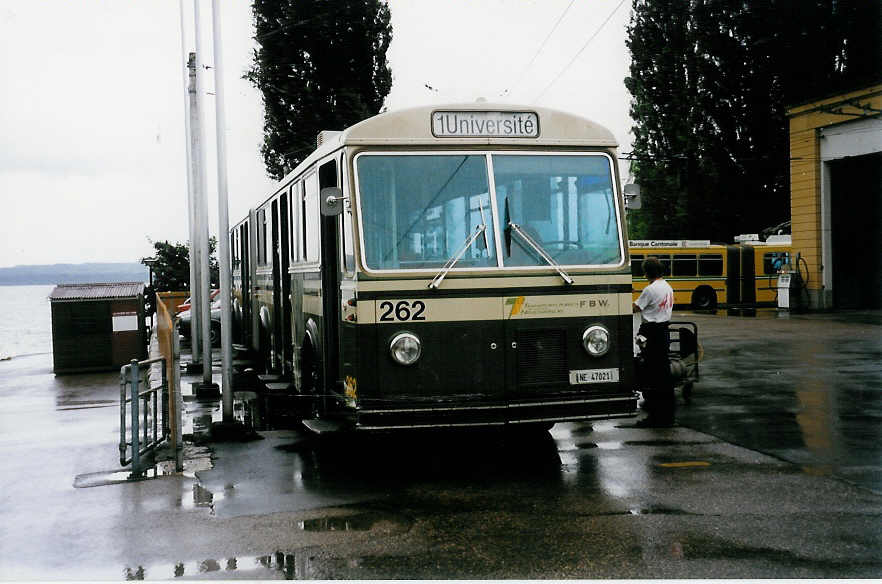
{"points": [[377, 417]]}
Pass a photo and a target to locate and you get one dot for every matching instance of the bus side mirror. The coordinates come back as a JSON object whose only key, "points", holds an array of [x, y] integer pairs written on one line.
{"points": [[331, 201], [632, 196]]}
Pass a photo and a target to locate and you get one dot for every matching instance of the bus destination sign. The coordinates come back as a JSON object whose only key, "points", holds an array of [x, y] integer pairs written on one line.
{"points": [[476, 124]]}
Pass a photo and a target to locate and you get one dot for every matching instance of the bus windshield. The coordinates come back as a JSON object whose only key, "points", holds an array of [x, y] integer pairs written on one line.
{"points": [[418, 210]]}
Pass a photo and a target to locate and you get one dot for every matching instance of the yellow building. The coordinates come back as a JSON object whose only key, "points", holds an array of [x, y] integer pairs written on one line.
{"points": [[835, 195]]}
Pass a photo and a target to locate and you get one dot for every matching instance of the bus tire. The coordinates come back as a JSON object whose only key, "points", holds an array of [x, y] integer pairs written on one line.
{"points": [[215, 334], [687, 391], [704, 298]]}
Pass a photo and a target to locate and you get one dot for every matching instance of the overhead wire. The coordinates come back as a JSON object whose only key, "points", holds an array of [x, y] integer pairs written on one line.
{"points": [[573, 60], [542, 46]]}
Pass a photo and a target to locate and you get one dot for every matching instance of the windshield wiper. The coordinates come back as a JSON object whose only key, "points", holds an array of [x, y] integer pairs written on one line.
{"points": [[542, 253], [479, 230]]}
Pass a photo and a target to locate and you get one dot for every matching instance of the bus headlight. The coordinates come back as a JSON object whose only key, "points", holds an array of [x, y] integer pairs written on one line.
{"points": [[405, 348], [595, 340]]}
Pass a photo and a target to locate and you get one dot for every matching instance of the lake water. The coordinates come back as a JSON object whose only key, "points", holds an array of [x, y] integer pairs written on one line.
{"points": [[25, 320]]}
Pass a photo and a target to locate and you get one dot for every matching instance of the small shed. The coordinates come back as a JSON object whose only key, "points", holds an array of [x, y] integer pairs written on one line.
{"points": [[97, 327]]}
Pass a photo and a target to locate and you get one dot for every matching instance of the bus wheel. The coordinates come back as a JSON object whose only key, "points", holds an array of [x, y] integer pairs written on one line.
{"points": [[704, 298], [687, 391], [215, 334]]}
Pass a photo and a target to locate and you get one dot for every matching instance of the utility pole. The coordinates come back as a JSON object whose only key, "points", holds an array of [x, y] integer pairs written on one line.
{"points": [[193, 207], [207, 387], [223, 254], [190, 90]]}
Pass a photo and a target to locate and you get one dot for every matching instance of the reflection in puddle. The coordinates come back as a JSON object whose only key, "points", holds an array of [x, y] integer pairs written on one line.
{"points": [[610, 445], [653, 443], [163, 468], [97, 479], [275, 566], [360, 522], [656, 511], [818, 470]]}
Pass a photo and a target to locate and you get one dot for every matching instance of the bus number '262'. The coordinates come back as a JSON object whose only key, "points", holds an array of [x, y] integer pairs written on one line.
{"points": [[402, 310]]}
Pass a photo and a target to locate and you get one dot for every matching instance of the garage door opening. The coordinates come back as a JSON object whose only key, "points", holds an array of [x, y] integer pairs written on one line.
{"points": [[856, 234]]}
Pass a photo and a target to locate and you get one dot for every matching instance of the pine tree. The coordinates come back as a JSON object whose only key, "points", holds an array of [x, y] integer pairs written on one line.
{"points": [[711, 81], [321, 65]]}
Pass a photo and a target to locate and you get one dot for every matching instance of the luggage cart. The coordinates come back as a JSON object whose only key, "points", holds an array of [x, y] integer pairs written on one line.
{"points": [[684, 353]]}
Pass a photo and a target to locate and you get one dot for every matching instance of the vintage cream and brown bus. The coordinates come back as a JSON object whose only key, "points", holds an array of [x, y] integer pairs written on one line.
{"points": [[444, 267]]}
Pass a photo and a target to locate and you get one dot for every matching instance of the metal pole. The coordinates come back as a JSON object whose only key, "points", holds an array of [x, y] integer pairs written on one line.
{"points": [[136, 445], [202, 214], [155, 440], [179, 408], [166, 425], [223, 229], [189, 104], [122, 415], [195, 239]]}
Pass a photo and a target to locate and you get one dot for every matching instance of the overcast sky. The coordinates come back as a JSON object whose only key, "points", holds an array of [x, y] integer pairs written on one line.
{"points": [[92, 145]]}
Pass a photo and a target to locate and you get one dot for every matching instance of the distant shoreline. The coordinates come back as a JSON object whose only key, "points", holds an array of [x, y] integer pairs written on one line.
{"points": [[87, 273]]}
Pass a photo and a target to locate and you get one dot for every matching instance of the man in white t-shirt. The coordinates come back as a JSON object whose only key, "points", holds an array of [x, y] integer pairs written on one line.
{"points": [[655, 305]]}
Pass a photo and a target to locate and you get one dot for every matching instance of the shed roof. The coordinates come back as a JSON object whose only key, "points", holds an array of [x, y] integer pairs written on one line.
{"points": [[98, 291]]}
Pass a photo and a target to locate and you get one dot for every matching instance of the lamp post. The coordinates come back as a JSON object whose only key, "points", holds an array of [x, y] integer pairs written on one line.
{"points": [[150, 262]]}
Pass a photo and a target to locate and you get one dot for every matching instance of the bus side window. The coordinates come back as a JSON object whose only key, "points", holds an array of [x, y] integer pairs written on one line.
{"points": [[233, 261], [261, 237], [347, 235], [311, 219], [292, 224], [268, 234], [328, 175], [666, 264], [302, 224], [636, 265], [710, 265], [296, 209], [773, 262], [685, 265]]}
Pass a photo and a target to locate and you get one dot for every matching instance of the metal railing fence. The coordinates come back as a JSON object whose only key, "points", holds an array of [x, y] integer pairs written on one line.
{"points": [[145, 414]]}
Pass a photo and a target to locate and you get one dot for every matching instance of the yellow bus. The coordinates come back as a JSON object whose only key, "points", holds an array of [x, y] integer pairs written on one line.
{"points": [[706, 275]]}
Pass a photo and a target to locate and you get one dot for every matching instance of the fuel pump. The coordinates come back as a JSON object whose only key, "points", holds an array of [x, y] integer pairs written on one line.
{"points": [[789, 285]]}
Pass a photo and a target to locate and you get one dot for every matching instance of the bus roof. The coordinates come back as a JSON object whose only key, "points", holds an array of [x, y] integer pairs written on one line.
{"points": [[421, 126], [417, 127]]}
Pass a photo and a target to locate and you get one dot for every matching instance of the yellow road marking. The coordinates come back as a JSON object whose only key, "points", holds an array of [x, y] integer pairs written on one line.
{"points": [[686, 464]]}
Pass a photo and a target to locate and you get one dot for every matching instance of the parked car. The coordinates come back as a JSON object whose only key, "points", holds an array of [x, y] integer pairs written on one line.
{"points": [[186, 304], [214, 330]]}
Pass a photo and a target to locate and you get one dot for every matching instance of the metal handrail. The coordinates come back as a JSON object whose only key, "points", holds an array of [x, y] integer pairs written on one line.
{"points": [[130, 379]]}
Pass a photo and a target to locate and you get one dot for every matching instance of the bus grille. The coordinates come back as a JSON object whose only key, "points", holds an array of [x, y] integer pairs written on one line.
{"points": [[547, 347]]}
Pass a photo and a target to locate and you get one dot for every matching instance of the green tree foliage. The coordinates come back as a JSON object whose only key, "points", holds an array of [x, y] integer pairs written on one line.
{"points": [[711, 81], [321, 65], [171, 270]]}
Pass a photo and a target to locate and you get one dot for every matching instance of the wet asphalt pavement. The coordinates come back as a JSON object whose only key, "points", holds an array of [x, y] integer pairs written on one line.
{"points": [[774, 471], [803, 388]]}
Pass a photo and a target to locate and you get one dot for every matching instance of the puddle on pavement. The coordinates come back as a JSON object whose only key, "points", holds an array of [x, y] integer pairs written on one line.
{"points": [[656, 511], [274, 566], [86, 405], [197, 459], [818, 470], [610, 445], [570, 445], [359, 522], [97, 479]]}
